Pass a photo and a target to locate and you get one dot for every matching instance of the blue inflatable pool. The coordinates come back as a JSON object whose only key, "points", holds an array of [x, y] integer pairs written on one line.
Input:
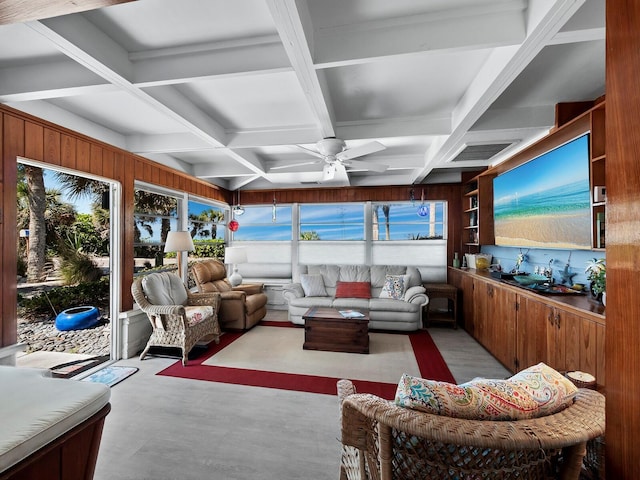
{"points": [[77, 318]]}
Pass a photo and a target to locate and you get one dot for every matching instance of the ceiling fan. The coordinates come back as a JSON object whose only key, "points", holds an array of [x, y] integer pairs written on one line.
{"points": [[333, 152]]}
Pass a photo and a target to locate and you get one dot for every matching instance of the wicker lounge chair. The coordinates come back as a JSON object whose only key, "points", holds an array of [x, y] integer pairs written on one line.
{"points": [[168, 303], [384, 441]]}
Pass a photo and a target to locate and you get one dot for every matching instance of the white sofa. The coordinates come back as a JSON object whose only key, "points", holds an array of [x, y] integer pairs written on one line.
{"points": [[404, 314]]}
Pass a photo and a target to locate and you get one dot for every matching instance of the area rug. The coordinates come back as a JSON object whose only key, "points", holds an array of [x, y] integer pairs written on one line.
{"points": [[270, 355], [71, 369], [110, 375]]}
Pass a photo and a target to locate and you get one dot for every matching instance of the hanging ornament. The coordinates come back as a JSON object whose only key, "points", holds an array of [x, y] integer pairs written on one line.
{"points": [[273, 209], [423, 210], [238, 210], [233, 225]]}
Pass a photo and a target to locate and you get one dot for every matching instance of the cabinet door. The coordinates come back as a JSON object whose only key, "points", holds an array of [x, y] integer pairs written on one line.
{"points": [[532, 321], [501, 326], [481, 308], [464, 283]]}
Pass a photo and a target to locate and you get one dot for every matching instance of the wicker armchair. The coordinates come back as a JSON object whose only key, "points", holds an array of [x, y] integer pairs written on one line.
{"points": [[384, 441], [179, 318]]}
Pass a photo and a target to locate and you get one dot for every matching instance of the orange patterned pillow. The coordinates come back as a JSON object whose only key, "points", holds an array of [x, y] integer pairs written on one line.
{"points": [[534, 392]]}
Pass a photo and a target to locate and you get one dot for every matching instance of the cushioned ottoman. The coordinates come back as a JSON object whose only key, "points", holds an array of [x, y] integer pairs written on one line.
{"points": [[40, 415]]}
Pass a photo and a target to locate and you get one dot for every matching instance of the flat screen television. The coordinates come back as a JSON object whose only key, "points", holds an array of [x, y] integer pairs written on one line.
{"points": [[546, 202]]}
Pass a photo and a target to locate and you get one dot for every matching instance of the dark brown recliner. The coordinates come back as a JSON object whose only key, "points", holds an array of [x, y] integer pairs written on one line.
{"points": [[241, 307]]}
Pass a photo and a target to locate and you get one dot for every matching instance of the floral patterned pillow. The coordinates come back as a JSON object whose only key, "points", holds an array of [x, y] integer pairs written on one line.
{"points": [[197, 313], [534, 392], [394, 287]]}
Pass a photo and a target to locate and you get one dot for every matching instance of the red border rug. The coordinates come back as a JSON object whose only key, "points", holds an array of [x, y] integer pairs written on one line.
{"points": [[428, 357]]}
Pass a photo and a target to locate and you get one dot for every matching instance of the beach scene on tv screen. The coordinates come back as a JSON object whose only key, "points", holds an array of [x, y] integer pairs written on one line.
{"points": [[546, 201]]}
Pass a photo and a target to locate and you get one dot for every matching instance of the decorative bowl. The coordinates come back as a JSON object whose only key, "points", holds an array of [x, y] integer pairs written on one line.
{"points": [[533, 279]]}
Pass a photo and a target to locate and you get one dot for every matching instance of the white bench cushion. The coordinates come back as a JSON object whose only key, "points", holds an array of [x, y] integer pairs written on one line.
{"points": [[35, 410]]}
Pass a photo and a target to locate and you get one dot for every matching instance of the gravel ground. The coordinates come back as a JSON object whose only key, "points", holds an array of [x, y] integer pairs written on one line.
{"points": [[43, 335]]}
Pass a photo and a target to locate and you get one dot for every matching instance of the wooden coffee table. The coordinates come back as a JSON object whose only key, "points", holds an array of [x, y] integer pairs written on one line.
{"points": [[326, 329]]}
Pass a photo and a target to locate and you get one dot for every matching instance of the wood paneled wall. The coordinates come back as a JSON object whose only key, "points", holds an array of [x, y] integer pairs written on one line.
{"points": [[622, 345], [22, 135]]}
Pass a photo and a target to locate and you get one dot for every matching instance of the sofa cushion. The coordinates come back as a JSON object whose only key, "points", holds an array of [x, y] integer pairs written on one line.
{"points": [[355, 273], [353, 290], [351, 303], [394, 287], [313, 285], [379, 273], [534, 392], [391, 305]]}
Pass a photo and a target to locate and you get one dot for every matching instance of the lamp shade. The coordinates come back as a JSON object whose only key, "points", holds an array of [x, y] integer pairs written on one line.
{"points": [[178, 241], [234, 255]]}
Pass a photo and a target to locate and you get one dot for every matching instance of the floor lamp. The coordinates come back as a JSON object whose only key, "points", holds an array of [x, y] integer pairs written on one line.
{"points": [[234, 256], [179, 241]]}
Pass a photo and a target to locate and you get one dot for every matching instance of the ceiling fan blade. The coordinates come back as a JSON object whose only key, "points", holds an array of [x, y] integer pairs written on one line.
{"points": [[294, 165], [366, 149], [374, 167], [310, 152]]}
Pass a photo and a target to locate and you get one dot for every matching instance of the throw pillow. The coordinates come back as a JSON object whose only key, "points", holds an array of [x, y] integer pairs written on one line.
{"points": [[534, 392], [353, 290], [394, 287], [313, 285]]}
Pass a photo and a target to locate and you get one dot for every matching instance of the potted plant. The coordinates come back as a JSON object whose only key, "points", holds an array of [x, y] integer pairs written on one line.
{"points": [[597, 274]]}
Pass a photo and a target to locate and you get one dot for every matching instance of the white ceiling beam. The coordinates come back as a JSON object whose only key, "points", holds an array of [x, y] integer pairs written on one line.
{"points": [[577, 36], [239, 182], [285, 135], [80, 40], [55, 114], [188, 114], [394, 127], [171, 162], [204, 65], [501, 68], [61, 78], [540, 116], [289, 25], [167, 142], [463, 29]]}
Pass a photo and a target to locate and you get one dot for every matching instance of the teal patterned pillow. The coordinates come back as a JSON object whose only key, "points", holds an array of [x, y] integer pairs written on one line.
{"points": [[394, 287]]}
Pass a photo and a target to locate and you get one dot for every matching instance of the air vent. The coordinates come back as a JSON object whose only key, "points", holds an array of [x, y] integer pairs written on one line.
{"points": [[480, 152]]}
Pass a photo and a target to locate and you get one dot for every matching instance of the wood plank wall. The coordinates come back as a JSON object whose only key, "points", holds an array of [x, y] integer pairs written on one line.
{"points": [[622, 351], [27, 136]]}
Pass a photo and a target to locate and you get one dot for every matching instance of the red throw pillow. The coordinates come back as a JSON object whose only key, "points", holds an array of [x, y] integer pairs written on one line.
{"points": [[353, 290]]}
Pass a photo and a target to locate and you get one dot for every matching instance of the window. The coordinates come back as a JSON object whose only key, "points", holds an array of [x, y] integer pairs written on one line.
{"points": [[206, 224], [342, 221], [264, 223], [155, 215], [404, 221]]}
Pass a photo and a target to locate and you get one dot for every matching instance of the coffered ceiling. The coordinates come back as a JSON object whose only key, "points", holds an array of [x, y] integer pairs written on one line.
{"points": [[229, 90]]}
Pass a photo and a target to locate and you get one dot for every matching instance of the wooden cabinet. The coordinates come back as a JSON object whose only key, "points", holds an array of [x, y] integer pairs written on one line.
{"points": [[464, 284], [495, 313], [522, 328]]}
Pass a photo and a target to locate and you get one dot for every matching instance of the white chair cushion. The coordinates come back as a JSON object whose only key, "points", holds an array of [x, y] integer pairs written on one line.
{"points": [[164, 289]]}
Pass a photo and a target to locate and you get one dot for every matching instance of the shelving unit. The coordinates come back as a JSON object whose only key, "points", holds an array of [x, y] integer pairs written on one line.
{"points": [[478, 216]]}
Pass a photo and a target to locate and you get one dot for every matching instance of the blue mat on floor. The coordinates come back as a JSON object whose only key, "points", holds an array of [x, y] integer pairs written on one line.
{"points": [[110, 375]]}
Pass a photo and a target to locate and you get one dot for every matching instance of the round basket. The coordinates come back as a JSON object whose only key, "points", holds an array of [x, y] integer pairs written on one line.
{"points": [[582, 379]]}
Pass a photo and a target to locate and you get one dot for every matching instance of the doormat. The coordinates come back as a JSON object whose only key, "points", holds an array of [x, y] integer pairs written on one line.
{"points": [[71, 369], [111, 375]]}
